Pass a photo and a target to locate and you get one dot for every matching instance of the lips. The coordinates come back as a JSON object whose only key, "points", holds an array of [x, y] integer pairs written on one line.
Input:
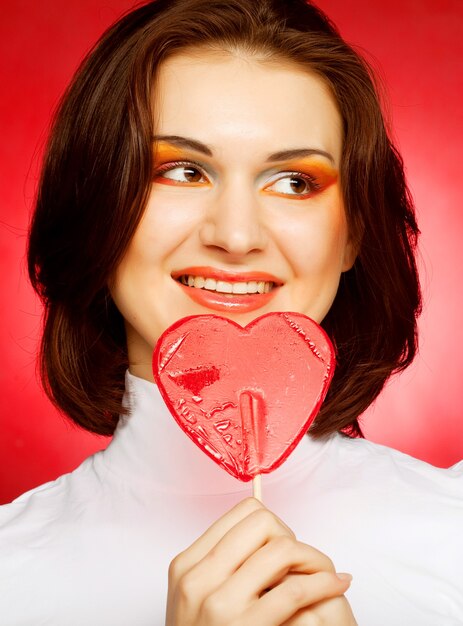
{"points": [[222, 290]]}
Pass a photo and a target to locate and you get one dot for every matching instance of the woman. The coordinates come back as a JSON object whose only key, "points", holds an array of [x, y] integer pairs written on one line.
{"points": [[236, 143]]}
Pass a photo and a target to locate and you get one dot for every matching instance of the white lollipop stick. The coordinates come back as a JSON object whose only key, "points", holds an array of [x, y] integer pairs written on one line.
{"points": [[257, 487]]}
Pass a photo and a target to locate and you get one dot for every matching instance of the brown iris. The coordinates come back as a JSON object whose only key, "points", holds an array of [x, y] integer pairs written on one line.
{"points": [[192, 175], [298, 184]]}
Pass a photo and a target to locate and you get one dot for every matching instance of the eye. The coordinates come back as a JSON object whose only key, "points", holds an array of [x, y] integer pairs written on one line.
{"points": [[181, 173], [293, 184]]}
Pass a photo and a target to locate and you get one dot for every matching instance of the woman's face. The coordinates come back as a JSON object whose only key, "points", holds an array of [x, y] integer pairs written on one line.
{"points": [[245, 198]]}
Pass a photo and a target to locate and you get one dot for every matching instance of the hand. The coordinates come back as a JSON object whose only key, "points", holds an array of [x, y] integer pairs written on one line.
{"points": [[248, 569], [332, 612]]}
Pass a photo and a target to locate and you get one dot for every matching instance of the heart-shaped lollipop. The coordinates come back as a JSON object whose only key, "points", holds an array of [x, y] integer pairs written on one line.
{"points": [[245, 396]]}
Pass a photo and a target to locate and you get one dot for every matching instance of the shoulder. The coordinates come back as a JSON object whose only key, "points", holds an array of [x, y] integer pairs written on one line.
{"points": [[401, 495], [62, 541], [395, 465], [44, 504], [391, 493], [391, 520], [370, 479], [44, 526]]}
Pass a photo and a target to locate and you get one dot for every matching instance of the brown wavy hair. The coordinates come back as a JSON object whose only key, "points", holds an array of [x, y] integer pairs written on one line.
{"points": [[97, 172]]}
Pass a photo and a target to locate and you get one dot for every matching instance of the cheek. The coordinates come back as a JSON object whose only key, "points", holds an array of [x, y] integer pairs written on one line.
{"points": [[167, 221], [315, 239]]}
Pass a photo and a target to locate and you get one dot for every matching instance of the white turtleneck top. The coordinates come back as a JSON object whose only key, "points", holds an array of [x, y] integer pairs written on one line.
{"points": [[93, 547]]}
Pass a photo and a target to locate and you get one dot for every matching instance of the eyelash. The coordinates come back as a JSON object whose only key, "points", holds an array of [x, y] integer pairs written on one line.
{"points": [[174, 164], [311, 182]]}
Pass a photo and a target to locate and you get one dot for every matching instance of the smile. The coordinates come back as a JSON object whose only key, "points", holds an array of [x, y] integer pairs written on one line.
{"points": [[221, 286], [227, 291]]}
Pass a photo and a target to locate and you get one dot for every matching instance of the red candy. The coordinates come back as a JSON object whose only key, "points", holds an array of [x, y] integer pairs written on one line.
{"points": [[245, 396]]}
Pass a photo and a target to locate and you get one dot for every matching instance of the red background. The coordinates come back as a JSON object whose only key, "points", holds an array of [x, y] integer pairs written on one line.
{"points": [[417, 47]]}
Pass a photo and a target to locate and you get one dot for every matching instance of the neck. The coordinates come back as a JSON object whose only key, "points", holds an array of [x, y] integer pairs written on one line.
{"points": [[150, 448]]}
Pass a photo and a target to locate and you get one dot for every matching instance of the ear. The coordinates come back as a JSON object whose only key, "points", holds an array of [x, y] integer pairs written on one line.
{"points": [[350, 254]]}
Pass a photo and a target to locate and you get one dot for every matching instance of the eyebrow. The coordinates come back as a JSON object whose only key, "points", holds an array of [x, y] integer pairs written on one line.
{"points": [[282, 155]]}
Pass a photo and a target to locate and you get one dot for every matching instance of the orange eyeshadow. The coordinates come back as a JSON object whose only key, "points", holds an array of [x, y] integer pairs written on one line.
{"points": [[167, 152], [322, 174], [164, 154]]}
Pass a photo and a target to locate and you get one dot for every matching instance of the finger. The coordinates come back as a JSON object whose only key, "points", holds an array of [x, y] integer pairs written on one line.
{"points": [[268, 565], [235, 547], [215, 533], [332, 611], [199, 548], [294, 593]]}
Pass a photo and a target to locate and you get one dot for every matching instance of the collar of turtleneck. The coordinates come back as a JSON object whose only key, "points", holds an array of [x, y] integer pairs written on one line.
{"points": [[149, 447]]}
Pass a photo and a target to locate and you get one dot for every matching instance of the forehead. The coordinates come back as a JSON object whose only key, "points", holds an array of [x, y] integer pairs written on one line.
{"points": [[241, 103]]}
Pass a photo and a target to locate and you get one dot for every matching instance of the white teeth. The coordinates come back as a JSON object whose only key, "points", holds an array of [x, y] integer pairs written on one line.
{"points": [[224, 287], [221, 286], [241, 288], [210, 284]]}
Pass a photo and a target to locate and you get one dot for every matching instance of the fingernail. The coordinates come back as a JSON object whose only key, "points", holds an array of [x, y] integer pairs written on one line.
{"points": [[343, 576]]}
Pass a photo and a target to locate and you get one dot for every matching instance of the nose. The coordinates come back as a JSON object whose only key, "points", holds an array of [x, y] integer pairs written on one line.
{"points": [[233, 222]]}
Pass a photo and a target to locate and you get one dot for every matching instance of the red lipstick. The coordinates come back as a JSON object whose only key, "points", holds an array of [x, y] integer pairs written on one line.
{"points": [[231, 303], [226, 275]]}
